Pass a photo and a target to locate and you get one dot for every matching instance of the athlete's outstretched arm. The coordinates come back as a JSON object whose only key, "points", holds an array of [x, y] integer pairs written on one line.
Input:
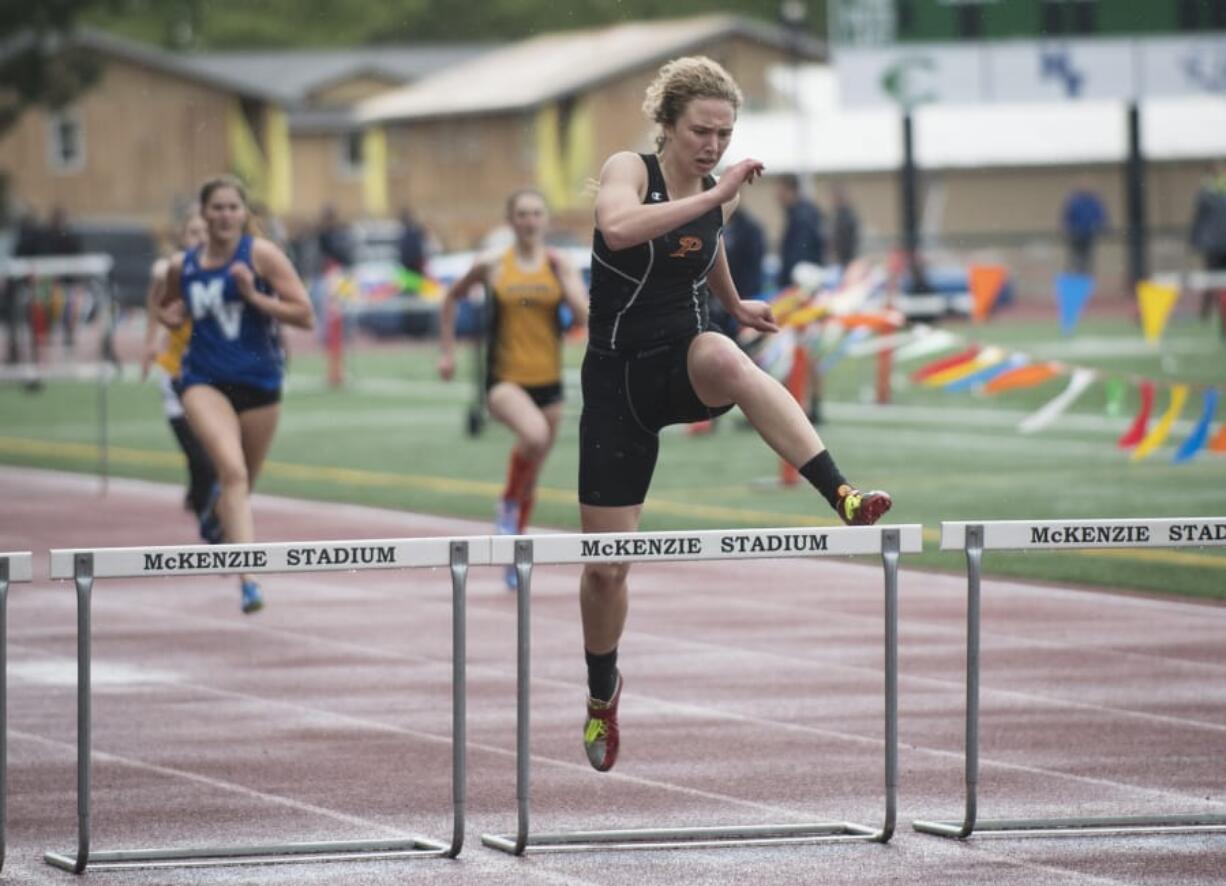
{"points": [[171, 309], [153, 301], [752, 313], [478, 273], [624, 220], [290, 303]]}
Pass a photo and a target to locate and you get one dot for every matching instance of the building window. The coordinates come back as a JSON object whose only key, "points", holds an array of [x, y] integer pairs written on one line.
{"points": [[66, 140], [352, 144]]}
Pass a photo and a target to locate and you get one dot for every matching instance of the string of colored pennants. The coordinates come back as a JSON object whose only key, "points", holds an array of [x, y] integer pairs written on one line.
{"points": [[992, 370], [836, 325]]}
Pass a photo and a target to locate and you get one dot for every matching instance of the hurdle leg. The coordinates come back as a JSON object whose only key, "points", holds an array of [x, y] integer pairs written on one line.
{"points": [[83, 574], [459, 699], [4, 704], [890, 552], [974, 571]]}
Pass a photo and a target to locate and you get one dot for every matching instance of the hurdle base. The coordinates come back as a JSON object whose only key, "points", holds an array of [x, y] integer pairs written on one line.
{"points": [[678, 838], [1054, 827], [283, 853]]}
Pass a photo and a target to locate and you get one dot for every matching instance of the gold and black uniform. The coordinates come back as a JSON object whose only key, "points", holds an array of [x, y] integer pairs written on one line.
{"points": [[525, 343]]}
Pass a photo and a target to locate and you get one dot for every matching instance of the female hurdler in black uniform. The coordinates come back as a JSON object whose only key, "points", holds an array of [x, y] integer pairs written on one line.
{"points": [[651, 360]]}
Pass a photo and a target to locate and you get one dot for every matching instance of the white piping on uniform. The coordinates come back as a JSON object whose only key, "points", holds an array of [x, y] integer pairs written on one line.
{"points": [[651, 260], [617, 271], [701, 281]]}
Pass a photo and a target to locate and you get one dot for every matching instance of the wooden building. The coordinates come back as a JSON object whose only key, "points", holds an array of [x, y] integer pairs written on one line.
{"points": [[137, 145], [546, 111]]}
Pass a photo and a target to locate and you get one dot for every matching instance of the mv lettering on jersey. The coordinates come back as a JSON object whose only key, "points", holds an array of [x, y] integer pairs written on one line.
{"points": [[208, 297]]}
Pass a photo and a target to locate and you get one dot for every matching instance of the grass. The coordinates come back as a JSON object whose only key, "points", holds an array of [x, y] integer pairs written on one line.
{"points": [[394, 437]]}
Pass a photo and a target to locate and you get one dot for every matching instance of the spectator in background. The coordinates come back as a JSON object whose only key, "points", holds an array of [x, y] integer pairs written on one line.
{"points": [[412, 243], [1084, 220], [803, 239], [335, 246], [1208, 234], [26, 244], [745, 247], [59, 237], [845, 235], [333, 252]]}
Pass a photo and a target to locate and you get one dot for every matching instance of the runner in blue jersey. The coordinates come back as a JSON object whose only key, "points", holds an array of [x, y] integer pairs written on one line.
{"points": [[236, 289], [652, 358]]}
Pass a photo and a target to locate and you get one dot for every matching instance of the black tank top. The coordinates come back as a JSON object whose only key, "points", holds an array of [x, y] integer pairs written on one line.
{"points": [[656, 292]]}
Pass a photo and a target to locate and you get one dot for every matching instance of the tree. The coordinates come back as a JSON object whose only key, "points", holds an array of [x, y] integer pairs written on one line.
{"points": [[39, 64]]}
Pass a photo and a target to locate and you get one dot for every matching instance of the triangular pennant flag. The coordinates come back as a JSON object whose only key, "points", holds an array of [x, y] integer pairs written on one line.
{"points": [[804, 316], [1023, 377], [1156, 301], [987, 357], [931, 343], [983, 376], [888, 342], [1218, 443], [776, 358], [945, 363], [410, 281], [835, 357], [1162, 430], [986, 282], [1082, 379], [1136, 431], [1115, 390], [1200, 434], [1072, 293]]}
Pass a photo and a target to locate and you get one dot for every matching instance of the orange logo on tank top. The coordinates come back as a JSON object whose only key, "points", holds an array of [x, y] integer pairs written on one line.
{"points": [[686, 246]]}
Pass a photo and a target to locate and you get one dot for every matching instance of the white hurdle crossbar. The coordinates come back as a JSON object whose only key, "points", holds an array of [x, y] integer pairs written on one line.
{"points": [[84, 566], [17, 566], [526, 552], [1031, 535]]}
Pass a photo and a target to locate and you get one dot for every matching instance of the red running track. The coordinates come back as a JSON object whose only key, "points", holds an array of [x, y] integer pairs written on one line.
{"points": [[753, 696]]}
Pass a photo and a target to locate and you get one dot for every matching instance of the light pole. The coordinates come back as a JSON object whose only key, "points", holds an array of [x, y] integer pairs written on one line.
{"points": [[792, 17]]}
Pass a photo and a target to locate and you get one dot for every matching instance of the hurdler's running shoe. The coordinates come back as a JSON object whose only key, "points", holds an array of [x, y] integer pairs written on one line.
{"points": [[856, 508], [252, 599], [210, 521], [506, 522], [600, 735]]}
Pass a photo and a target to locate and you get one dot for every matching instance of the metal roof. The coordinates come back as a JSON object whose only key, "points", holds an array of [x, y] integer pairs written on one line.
{"points": [[293, 74], [534, 71]]}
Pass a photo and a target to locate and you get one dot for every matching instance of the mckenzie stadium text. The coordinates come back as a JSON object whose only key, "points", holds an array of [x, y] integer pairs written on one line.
{"points": [[1125, 535]]}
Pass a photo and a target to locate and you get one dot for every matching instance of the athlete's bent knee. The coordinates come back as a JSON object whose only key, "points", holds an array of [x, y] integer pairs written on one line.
{"points": [[720, 365]]}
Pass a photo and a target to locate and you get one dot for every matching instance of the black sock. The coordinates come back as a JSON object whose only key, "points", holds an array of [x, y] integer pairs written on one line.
{"points": [[601, 674], [824, 476]]}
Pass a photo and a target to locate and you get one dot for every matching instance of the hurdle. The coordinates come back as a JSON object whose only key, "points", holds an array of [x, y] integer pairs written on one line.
{"points": [[14, 567], [1025, 535], [526, 552], [84, 566]]}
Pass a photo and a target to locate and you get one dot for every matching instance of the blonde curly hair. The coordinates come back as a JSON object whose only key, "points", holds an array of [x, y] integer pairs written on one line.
{"points": [[682, 80]]}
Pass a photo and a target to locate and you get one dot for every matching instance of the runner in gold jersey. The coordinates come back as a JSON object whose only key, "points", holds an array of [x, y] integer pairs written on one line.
{"points": [[526, 285]]}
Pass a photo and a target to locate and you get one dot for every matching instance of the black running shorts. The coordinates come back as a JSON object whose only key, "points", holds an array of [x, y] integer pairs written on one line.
{"points": [[627, 399]]}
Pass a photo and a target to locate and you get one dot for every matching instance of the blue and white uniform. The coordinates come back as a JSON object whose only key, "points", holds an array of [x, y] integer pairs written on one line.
{"points": [[232, 342]]}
